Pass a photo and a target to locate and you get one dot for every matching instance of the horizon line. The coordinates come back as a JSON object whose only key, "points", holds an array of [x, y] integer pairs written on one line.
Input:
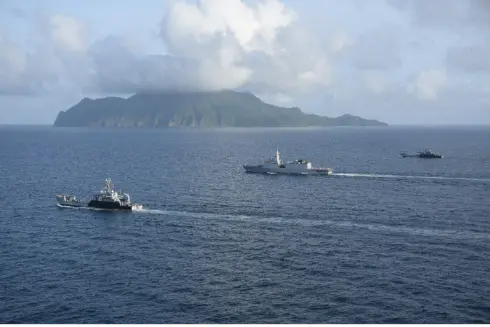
{"points": [[389, 125]]}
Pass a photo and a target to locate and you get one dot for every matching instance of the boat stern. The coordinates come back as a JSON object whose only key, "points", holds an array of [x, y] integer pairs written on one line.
{"points": [[62, 198], [248, 168]]}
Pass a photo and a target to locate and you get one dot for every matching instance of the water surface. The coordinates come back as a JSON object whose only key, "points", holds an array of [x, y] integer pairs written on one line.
{"points": [[384, 240]]}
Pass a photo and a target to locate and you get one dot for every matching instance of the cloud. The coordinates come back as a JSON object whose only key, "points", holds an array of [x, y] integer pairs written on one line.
{"points": [[211, 45], [486, 89], [13, 65], [128, 73], [469, 59], [67, 33], [18, 12], [260, 45], [431, 13], [23, 73], [427, 84], [55, 59], [452, 14], [340, 42], [479, 12], [377, 49], [375, 81]]}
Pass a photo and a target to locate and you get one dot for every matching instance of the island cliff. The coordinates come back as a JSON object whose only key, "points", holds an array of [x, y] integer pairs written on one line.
{"points": [[196, 109]]}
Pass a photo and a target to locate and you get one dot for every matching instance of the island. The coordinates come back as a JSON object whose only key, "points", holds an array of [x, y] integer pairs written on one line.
{"points": [[194, 109]]}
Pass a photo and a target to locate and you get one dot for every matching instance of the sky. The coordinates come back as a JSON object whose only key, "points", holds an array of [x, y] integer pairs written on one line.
{"points": [[399, 61]]}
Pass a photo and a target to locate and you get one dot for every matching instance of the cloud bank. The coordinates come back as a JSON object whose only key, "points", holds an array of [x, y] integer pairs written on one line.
{"points": [[330, 55], [211, 45]]}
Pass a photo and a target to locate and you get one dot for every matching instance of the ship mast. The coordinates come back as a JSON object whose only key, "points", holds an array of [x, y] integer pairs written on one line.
{"points": [[108, 184], [278, 158]]}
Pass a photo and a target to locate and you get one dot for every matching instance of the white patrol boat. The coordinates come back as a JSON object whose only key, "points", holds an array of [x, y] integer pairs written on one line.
{"points": [[277, 166]]}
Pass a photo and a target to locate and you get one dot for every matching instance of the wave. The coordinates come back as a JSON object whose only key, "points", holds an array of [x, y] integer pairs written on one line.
{"points": [[411, 177], [428, 232]]}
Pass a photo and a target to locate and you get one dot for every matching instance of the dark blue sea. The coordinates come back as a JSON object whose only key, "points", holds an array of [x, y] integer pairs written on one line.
{"points": [[383, 240]]}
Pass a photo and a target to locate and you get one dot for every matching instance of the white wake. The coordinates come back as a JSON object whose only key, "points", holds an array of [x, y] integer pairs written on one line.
{"points": [[411, 177]]}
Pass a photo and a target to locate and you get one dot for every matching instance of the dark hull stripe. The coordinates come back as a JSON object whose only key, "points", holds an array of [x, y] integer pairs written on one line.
{"points": [[108, 205]]}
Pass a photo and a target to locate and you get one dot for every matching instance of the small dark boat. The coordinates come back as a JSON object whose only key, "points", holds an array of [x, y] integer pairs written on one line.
{"points": [[426, 154]]}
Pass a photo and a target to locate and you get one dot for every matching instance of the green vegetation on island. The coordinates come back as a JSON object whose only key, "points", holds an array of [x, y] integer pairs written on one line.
{"points": [[195, 109]]}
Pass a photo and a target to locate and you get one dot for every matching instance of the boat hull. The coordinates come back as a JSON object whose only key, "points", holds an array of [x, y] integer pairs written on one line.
{"points": [[109, 205], [69, 201], [270, 170], [431, 157], [72, 204], [421, 156]]}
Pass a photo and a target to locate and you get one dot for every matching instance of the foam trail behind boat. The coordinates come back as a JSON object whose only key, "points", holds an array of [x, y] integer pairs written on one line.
{"points": [[411, 177]]}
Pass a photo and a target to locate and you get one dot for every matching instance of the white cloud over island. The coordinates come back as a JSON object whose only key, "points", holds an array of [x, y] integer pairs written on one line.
{"points": [[384, 59]]}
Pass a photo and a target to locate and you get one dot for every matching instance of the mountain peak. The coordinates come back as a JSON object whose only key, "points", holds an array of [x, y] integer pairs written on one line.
{"points": [[225, 108]]}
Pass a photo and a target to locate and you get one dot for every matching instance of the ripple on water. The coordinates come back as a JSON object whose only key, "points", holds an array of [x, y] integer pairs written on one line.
{"points": [[391, 241]]}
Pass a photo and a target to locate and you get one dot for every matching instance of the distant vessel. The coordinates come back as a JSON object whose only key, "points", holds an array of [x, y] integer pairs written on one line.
{"points": [[277, 166], [427, 153], [107, 199]]}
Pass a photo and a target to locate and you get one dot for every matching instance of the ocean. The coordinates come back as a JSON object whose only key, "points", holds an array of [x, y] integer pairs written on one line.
{"points": [[384, 239]]}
